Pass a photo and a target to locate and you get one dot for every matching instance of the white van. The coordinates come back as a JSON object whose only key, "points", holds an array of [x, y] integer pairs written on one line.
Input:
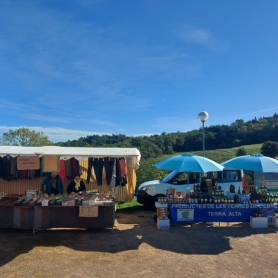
{"points": [[148, 192]]}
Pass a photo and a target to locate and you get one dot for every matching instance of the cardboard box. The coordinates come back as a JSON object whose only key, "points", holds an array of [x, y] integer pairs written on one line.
{"points": [[59, 202], [88, 211], [258, 222], [85, 202], [92, 202], [65, 203], [78, 203], [45, 203], [71, 203], [52, 203], [163, 224], [29, 194]]}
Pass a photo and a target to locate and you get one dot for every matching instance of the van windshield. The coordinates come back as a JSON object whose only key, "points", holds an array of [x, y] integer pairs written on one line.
{"points": [[176, 177]]}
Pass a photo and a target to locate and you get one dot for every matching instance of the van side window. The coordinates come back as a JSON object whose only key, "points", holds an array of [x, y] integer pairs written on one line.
{"points": [[229, 175]]}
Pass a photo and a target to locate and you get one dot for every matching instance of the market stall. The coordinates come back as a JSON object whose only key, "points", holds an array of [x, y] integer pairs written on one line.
{"points": [[217, 207], [24, 168]]}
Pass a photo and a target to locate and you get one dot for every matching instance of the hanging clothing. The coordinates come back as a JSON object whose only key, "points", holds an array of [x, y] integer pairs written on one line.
{"points": [[38, 171], [68, 168], [74, 165], [7, 163], [113, 177], [123, 171], [23, 174], [97, 164], [98, 167], [1, 167], [13, 170], [108, 166], [62, 172], [118, 172]]}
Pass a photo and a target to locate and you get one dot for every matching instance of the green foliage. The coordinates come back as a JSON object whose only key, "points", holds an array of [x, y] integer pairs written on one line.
{"points": [[248, 180], [270, 149], [24, 137], [241, 151], [218, 137]]}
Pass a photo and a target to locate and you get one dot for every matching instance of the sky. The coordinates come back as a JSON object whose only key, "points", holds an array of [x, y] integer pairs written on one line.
{"points": [[75, 68]]}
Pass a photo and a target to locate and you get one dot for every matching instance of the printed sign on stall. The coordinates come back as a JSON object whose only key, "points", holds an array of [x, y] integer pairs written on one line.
{"points": [[185, 214], [28, 163], [51, 163]]}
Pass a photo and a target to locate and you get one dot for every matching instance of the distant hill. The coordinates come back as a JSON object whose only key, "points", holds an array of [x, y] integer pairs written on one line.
{"points": [[217, 137]]}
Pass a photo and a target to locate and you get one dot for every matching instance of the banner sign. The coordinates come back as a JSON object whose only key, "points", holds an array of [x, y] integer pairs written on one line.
{"points": [[51, 163], [218, 212], [28, 163]]}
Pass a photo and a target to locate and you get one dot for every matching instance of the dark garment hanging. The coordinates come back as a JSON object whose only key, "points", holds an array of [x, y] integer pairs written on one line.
{"points": [[74, 165], [38, 171], [98, 167], [14, 171], [23, 174], [90, 165], [71, 168], [1, 167], [7, 163], [97, 163], [118, 172], [108, 165]]}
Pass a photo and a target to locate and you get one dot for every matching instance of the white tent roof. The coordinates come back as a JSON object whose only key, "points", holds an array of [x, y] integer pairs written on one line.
{"points": [[132, 155]]}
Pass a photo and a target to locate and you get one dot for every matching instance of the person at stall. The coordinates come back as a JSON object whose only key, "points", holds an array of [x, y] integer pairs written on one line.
{"points": [[52, 184], [76, 185]]}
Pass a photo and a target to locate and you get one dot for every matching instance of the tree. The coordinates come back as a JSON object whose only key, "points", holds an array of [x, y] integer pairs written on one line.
{"points": [[24, 137], [270, 149], [241, 151]]}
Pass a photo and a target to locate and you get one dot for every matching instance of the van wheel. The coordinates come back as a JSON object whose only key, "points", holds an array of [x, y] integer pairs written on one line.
{"points": [[155, 199]]}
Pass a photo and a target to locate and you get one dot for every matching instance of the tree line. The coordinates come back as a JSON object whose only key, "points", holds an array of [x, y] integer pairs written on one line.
{"points": [[257, 131], [238, 133]]}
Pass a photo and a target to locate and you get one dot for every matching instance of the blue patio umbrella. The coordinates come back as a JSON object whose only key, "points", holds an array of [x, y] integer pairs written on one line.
{"points": [[253, 162], [189, 163]]}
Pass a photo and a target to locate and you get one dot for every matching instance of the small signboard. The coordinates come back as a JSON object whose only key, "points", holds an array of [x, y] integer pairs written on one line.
{"points": [[51, 163], [88, 211], [185, 214], [28, 163]]}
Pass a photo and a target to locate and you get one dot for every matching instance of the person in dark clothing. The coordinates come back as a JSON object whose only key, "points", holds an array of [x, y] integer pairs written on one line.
{"points": [[76, 185], [52, 184]]}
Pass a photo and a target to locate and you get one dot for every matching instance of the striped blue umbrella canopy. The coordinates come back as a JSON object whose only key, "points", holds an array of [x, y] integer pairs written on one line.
{"points": [[189, 163], [253, 162]]}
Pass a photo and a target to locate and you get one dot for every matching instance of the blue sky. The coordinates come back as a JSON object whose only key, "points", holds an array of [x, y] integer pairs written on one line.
{"points": [[82, 67]]}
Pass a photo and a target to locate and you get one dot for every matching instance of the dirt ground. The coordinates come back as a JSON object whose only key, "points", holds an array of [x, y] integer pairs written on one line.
{"points": [[138, 249]]}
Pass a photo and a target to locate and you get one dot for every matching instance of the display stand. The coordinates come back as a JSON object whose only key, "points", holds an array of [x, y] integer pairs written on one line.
{"points": [[6, 217], [258, 222], [163, 223], [69, 217], [44, 217]]}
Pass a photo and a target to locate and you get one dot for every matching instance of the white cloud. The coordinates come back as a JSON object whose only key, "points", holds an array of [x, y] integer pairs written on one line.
{"points": [[202, 36], [55, 134]]}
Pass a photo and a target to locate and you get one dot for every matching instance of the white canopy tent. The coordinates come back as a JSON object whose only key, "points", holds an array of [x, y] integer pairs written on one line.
{"points": [[132, 155]]}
